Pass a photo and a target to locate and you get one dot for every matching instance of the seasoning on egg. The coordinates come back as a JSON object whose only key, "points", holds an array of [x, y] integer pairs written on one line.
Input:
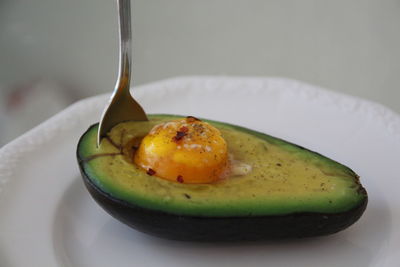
{"points": [[151, 172]]}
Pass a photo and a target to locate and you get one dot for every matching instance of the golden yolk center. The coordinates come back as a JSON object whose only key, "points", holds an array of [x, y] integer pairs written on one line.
{"points": [[185, 151]]}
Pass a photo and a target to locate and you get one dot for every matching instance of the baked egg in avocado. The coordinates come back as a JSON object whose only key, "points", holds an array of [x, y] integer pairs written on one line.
{"points": [[185, 150], [189, 179]]}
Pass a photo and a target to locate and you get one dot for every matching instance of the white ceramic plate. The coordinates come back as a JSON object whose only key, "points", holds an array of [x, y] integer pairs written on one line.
{"points": [[48, 219]]}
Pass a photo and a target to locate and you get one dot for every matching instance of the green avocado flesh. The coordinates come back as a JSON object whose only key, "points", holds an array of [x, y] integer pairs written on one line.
{"points": [[285, 178]]}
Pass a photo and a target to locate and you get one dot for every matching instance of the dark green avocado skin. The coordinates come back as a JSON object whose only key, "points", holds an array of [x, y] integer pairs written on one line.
{"points": [[190, 228], [199, 228]]}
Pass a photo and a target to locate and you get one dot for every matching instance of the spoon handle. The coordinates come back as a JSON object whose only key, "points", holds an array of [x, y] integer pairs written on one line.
{"points": [[125, 51]]}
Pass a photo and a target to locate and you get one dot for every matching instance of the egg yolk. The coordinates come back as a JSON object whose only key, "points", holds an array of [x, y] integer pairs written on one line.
{"points": [[185, 150]]}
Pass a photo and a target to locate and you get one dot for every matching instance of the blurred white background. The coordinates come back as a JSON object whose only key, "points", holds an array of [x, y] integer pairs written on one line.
{"points": [[53, 52]]}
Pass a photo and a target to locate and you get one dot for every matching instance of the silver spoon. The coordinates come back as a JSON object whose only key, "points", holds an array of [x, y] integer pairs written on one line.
{"points": [[122, 107]]}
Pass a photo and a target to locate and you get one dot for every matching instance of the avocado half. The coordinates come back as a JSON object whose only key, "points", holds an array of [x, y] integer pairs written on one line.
{"points": [[291, 192]]}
